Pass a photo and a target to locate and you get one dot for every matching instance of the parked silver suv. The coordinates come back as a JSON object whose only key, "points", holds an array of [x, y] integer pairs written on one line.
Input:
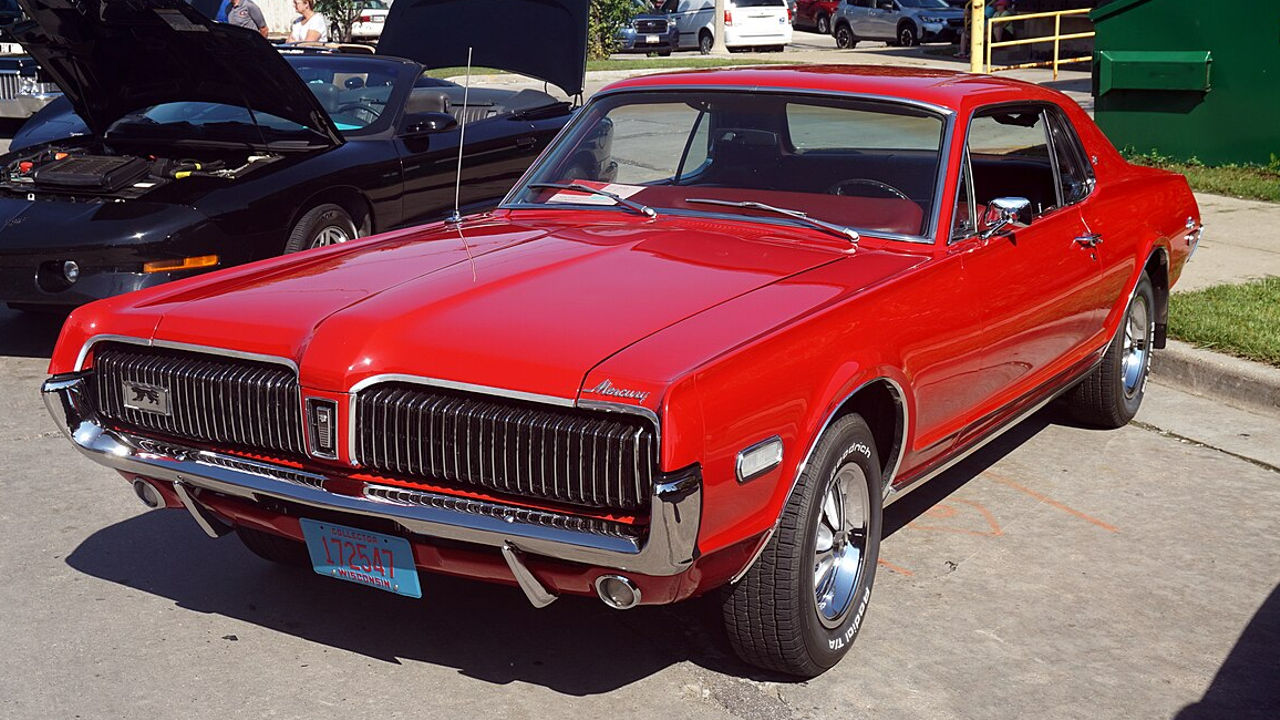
{"points": [[898, 22]]}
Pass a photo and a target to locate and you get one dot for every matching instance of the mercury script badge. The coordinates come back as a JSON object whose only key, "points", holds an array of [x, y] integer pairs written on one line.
{"points": [[147, 398], [606, 388]]}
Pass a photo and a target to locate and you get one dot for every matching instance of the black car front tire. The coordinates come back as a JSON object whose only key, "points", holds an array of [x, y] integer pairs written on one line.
{"points": [[323, 225], [787, 613]]}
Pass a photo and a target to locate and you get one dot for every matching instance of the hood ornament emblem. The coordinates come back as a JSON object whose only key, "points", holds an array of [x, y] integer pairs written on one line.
{"points": [[606, 387]]}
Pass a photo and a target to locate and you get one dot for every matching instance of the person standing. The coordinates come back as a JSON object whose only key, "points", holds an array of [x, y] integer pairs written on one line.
{"points": [[245, 14], [309, 26]]}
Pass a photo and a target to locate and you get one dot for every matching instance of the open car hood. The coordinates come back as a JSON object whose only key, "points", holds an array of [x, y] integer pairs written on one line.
{"points": [[112, 57], [545, 39]]}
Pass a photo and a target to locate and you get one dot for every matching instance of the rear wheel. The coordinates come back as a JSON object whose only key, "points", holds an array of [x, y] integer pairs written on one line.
{"points": [[323, 225], [1110, 395], [824, 24], [845, 39], [274, 548], [705, 41], [801, 605], [907, 35]]}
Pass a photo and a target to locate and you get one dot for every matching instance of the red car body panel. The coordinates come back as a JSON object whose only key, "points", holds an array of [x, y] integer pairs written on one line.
{"points": [[729, 333]]}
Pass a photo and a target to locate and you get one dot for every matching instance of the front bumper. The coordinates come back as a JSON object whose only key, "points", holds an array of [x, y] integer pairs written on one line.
{"points": [[24, 106], [668, 548], [38, 284]]}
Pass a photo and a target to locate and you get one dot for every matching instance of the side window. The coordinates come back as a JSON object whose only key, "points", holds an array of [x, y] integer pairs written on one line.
{"points": [[1010, 157], [964, 220], [1074, 171]]}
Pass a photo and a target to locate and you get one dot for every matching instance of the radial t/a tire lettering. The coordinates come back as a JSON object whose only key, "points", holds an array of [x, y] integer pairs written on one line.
{"points": [[801, 605]]}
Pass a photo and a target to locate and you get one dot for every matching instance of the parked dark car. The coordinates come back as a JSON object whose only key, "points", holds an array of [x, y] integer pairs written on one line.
{"points": [[650, 30], [209, 148]]}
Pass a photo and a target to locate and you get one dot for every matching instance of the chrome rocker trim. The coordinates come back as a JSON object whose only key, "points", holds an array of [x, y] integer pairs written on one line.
{"points": [[670, 548]]}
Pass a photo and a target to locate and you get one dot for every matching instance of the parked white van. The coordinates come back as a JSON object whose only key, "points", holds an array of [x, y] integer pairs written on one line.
{"points": [[763, 24]]}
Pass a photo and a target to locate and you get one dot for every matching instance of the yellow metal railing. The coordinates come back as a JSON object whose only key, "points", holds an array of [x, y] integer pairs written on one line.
{"points": [[1056, 38]]}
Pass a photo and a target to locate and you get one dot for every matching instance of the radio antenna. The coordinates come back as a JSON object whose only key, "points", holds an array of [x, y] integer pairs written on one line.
{"points": [[455, 218]]}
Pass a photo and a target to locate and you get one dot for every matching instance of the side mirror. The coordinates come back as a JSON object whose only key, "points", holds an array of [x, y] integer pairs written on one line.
{"points": [[428, 122], [1003, 215]]}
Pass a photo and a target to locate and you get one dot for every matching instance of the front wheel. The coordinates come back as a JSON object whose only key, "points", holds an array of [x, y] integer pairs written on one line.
{"points": [[907, 35], [1109, 396], [845, 39], [824, 24], [799, 608], [321, 226]]}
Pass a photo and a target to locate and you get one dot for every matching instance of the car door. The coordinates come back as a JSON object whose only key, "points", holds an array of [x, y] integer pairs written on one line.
{"points": [[883, 19], [1040, 287], [497, 152], [860, 17]]}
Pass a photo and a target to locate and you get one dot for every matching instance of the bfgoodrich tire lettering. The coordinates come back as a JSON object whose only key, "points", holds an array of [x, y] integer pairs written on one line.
{"points": [[1109, 396], [797, 611]]}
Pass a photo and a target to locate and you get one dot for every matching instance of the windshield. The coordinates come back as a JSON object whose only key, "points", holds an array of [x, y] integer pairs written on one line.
{"points": [[869, 165], [353, 91]]}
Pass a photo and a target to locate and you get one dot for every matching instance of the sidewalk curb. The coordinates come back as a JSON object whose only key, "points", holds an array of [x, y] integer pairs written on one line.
{"points": [[1203, 372]]}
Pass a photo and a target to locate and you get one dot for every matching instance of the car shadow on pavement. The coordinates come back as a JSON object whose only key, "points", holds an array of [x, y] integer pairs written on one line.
{"points": [[1247, 686], [24, 334], [575, 646]]}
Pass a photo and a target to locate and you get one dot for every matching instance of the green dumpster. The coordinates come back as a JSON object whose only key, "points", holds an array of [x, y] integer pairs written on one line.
{"points": [[1185, 79]]}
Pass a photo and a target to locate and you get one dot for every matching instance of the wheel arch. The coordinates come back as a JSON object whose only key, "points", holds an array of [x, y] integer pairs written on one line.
{"points": [[346, 197], [1157, 268]]}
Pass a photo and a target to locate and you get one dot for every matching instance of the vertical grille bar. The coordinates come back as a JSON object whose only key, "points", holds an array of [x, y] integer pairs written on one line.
{"points": [[225, 401], [567, 455]]}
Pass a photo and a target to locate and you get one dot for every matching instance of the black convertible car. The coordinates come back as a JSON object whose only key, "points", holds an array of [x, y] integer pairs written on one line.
{"points": [[205, 146]]}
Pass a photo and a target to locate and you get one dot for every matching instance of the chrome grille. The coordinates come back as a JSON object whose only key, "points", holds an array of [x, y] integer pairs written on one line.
{"points": [[651, 26], [224, 401], [578, 457], [10, 85]]}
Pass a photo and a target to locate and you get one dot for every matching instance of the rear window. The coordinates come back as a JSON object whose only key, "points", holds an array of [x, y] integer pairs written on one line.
{"points": [[759, 3]]}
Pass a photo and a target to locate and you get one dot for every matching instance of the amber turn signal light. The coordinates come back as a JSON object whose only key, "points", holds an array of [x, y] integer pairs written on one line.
{"points": [[190, 263]]}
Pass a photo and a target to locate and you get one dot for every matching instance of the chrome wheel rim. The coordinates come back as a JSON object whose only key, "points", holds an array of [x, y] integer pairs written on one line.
{"points": [[840, 544], [331, 235], [906, 37], [1136, 348]]}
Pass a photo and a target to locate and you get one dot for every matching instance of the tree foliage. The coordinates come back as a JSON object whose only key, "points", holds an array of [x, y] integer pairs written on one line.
{"points": [[606, 18], [341, 14]]}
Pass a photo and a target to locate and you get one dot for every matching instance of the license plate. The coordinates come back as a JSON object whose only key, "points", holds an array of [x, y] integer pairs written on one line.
{"points": [[368, 558], [651, 38]]}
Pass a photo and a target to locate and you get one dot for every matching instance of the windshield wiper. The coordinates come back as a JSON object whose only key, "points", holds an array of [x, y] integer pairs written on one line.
{"points": [[845, 232], [629, 204]]}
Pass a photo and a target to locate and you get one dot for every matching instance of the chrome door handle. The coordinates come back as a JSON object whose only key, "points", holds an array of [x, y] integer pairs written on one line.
{"points": [[1090, 240]]}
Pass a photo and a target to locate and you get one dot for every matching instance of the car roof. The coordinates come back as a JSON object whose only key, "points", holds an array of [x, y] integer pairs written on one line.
{"points": [[945, 89]]}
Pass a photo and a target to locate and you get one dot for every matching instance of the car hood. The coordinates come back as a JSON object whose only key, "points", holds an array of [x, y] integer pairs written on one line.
{"points": [[545, 39], [112, 57], [537, 305]]}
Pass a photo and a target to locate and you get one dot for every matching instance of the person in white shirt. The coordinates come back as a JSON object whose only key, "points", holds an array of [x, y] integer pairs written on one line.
{"points": [[309, 26]]}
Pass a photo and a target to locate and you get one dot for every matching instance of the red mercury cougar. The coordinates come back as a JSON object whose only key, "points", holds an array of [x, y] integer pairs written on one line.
{"points": [[724, 320]]}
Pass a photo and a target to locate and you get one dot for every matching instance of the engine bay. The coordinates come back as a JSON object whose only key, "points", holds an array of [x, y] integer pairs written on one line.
{"points": [[79, 172]]}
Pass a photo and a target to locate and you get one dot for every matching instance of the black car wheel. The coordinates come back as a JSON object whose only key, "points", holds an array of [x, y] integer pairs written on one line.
{"points": [[824, 24], [845, 39], [799, 608], [705, 41], [321, 226], [1109, 396], [907, 35]]}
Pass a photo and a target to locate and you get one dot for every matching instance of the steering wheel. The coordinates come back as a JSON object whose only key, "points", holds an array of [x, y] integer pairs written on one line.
{"points": [[841, 188], [358, 105]]}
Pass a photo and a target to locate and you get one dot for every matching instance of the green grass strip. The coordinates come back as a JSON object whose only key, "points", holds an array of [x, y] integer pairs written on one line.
{"points": [[1241, 320], [1251, 182], [639, 63]]}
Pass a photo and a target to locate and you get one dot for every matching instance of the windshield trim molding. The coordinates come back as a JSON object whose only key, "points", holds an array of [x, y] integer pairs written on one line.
{"points": [[928, 236]]}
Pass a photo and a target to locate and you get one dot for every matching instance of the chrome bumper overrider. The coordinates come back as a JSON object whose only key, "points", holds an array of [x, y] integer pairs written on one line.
{"points": [[668, 548]]}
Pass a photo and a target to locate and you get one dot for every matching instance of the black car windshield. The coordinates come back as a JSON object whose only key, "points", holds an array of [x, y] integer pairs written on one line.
{"points": [[355, 93], [868, 165]]}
